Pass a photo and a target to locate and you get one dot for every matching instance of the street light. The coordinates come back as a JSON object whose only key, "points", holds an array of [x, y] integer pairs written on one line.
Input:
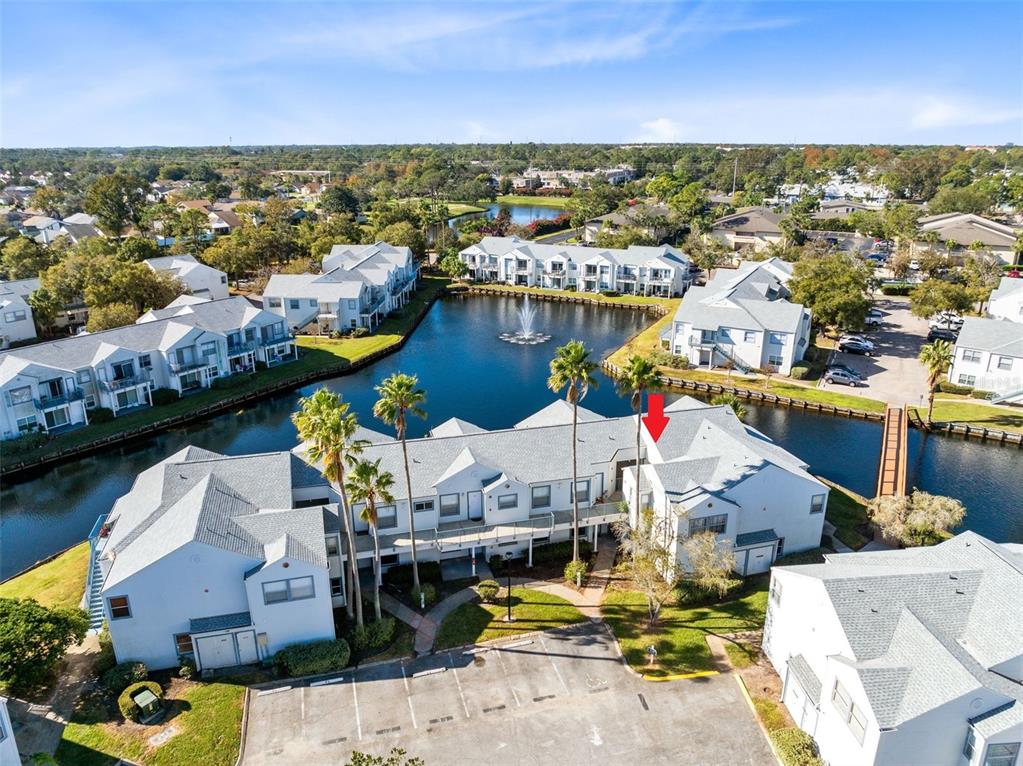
{"points": [[508, 557]]}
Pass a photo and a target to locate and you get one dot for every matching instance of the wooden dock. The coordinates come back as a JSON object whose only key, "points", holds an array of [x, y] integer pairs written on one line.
{"points": [[891, 476]]}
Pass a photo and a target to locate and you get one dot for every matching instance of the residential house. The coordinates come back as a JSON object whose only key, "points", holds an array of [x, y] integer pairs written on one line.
{"points": [[8, 747], [989, 357], [39, 225], [201, 280], [652, 220], [17, 323], [899, 657], [961, 230], [638, 270], [742, 318], [360, 285], [185, 347], [841, 209], [1006, 301], [754, 227]]}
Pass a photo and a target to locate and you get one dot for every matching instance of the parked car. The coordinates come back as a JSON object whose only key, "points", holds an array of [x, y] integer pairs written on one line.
{"points": [[877, 258], [844, 369], [939, 333], [871, 320], [856, 346], [842, 378], [857, 338], [875, 313]]}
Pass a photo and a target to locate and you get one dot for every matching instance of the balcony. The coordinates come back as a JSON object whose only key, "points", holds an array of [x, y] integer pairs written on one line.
{"points": [[49, 402], [179, 368], [127, 382], [236, 349]]}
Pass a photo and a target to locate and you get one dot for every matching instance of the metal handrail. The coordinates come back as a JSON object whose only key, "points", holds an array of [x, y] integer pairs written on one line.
{"points": [[44, 402]]}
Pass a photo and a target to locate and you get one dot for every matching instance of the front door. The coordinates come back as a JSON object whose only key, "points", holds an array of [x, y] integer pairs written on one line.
{"points": [[476, 505], [216, 651], [759, 559]]}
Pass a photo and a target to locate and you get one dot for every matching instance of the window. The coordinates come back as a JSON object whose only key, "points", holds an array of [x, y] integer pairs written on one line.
{"points": [[274, 303], [183, 644], [967, 380], [123, 370], [294, 304], [1005, 363], [353, 305], [817, 503], [15, 316], [506, 502], [582, 490], [332, 546], [128, 398], [778, 338], [715, 524], [542, 496], [774, 359], [145, 362], [970, 745], [223, 279], [27, 423], [449, 505], [21, 395], [84, 376], [312, 303], [749, 336], [971, 356], [209, 348], [387, 516], [295, 589], [250, 334], [422, 505], [1002, 754], [781, 548], [335, 587], [852, 715], [775, 591], [119, 607]]}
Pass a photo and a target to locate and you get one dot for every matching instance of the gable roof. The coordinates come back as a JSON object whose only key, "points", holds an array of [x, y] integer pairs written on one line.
{"points": [[634, 255], [966, 228], [994, 335], [759, 219]]}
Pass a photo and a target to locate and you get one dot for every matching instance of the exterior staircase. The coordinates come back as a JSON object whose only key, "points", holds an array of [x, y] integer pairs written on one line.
{"points": [[740, 365], [94, 597], [999, 398]]}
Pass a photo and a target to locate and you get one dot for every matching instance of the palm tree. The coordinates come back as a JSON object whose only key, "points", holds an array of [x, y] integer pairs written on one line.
{"points": [[367, 484], [638, 375], [324, 421], [937, 358], [572, 369], [400, 397]]}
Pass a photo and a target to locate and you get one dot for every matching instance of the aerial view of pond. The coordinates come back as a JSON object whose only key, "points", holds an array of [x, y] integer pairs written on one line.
{"points": [[520, 214], [469, 372]]}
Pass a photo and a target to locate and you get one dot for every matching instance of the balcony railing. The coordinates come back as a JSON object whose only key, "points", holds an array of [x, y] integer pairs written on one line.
{"points": [[47, 402], [179, 368], [233, 349], [128, 382]]}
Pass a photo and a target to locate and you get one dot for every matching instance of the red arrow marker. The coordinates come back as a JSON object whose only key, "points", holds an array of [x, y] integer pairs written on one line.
{"points": [[655, 419]]}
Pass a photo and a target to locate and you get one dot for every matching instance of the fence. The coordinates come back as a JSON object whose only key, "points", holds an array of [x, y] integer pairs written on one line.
{"points": [[966, 431]]}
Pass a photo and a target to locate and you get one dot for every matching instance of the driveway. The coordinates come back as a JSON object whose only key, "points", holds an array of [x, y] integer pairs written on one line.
{"points": [[893, 374], [561, 697]]}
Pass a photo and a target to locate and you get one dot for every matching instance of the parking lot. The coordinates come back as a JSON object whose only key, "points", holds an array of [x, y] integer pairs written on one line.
{"points": [[893, 373], [561, 697]]}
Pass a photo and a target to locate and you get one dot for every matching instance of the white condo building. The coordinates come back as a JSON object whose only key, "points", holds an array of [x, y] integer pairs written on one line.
{"points": [[16, 320], [1006, 301], [988, 356], [742, 317], [637, 270], [231, 558], [903, 657], [201, 280]]}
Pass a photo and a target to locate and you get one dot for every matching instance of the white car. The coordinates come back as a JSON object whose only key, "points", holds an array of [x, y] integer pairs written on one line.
{"points": [[872, 320], [946, 320], [851, 337]]}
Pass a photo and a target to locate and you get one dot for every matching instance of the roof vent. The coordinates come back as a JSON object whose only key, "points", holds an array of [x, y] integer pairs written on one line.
{"points": [[875, 611], [960, 592], [952, 577]]}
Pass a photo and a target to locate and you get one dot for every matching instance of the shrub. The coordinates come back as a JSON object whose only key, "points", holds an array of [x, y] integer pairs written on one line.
{"points": [[400, 576], [121, 676], [488, 590], [360, 332], [610, 293], [800, 371], [336, 335], [380, 633], [164, 396], [106, 658], [896, 289], [575, 569], [796, 748], [187, 669], [221, 384], [313, 658], [951, 388], [560, 553], [497, 564], [689, 592], [101, 415], [427, 594], [30, 441], [979, 394], [358, 638], [42, 759], [667, 359], [126, 702]]}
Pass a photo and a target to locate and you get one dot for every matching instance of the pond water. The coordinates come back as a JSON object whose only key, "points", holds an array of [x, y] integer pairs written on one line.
{"points": [[520, 214], [468, 372]]}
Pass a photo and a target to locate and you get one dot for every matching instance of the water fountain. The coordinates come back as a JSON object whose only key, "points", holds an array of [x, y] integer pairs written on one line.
{"points": [[526, 335]]}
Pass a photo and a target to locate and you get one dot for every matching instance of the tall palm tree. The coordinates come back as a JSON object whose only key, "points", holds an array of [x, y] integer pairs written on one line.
{"points": [[367, 484], [400, 397], [937, 358], [572, 370], [324, 421], [638, 375]]}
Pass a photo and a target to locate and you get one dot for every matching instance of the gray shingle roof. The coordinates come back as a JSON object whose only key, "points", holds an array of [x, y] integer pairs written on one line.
{"points": [[755, 538], [220, 622], [997, 335], [634, 255], [808, 680]]}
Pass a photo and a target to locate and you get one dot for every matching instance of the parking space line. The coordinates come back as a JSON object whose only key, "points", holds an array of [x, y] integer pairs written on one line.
{"points": [[554, 665], [504, 669], [408, 696], [302, 704], [458, 683], [358, 720]]}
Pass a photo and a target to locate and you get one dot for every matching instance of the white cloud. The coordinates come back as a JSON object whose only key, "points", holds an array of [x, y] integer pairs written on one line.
{"points": [[663, 130], [939, 112]]}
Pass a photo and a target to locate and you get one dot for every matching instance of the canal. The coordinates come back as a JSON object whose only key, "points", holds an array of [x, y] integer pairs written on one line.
{"points": [[469, 373]]}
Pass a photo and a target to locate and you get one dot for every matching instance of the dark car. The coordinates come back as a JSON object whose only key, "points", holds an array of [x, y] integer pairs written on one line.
{"points": [[939, 333], [854, 346]]}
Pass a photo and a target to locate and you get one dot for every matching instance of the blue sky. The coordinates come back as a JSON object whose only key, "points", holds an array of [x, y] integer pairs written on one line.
{"points": [[141, 73]]}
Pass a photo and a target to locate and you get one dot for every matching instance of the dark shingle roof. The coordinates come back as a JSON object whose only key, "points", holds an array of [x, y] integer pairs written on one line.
{"points": [[220, 622]]}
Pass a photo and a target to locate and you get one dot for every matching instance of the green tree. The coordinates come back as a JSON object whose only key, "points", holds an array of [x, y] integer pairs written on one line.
{"points": [[400, 396], [623, 238], [24, 258], [710, 564], [936, 295], [135, 249], [936, 357], [982, 274], [834, 286], [339, 199], [707, 253], [690, 205], [45, 308], [33, 639], [951, 199], [646, 546], [190, 230], [453, 266], [917, 519], [404, 234], [572, 371], [733, 401], [638, 376], [664, 187], [49, 200], [117, 201], [232, 254], [328, 430], [368, 484], [111, 315], [111, 280]]}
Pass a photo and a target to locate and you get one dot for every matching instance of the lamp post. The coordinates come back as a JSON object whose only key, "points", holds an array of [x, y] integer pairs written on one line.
{"points": [[507, 562]]}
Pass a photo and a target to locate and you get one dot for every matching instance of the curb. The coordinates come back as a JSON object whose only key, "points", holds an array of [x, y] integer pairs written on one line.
{"points": [[681, 676], [756, 717]]}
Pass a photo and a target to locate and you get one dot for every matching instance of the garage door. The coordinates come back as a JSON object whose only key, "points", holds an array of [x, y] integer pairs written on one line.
{"points": [[759, 559], [217, 651]]}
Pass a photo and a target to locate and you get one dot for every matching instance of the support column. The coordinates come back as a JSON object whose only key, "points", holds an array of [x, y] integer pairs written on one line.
{"points": [[529, 562], [593, 537]]}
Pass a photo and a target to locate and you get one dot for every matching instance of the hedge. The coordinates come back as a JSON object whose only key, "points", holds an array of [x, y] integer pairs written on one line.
{"points": [[400, 576], [375, 635], [980, 394], [488, 590], [896, 289], [799, 371], [951, 388], [559, 553], [101, 415], [796, 748], [425, 594], [163, 396], [126, 674], [313, 658], [126, 703]]}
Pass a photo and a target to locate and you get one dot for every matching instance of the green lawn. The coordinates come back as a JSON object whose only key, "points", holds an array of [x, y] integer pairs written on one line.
{"points": [[740, 654], [968, 413], [848, 512], [208, 717], [680, 632], [456, 209], [526, 199], [57, 583], [532, 609], [316, 354], [641, 300]]}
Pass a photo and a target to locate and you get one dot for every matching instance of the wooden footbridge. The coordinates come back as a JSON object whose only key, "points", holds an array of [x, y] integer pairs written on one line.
{"points": [[891, 476]]}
